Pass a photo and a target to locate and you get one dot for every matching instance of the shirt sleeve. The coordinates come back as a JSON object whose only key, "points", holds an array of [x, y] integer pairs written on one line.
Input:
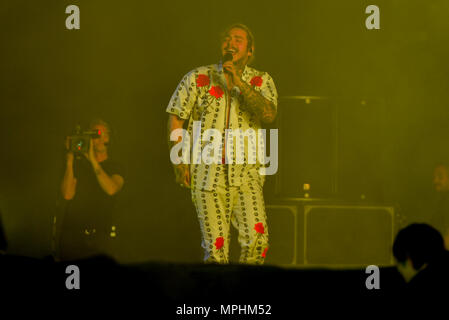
{"points": [[268, 89], [184, 97], [112, 168]]}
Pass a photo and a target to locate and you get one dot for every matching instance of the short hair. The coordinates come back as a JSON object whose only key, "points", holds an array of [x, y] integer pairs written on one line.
{"points": [[99, 121], [420, 242], [442, 164], [249, 36]]}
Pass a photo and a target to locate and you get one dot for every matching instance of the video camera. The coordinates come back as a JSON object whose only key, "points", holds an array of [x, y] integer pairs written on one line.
{"points": [[79, 142]]}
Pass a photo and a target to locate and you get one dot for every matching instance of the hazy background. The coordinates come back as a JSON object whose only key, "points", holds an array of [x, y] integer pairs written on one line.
{"points": [[127, 58]]}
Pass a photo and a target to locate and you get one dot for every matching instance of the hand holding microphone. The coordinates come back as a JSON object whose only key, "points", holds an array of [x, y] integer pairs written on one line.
{"points": [[229, 68], [227, 57], [228, 65]]}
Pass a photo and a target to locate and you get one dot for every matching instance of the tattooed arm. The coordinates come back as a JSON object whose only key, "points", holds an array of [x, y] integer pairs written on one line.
{"points": [[257, 104]]}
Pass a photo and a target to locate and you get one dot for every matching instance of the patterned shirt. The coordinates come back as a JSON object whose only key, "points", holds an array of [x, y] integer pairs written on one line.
{"points": [[202, 95]]}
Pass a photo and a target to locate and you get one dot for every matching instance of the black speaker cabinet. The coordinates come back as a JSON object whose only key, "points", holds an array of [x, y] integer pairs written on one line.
{"points": [[283, 234], [321, 233], [307, 148], [348, 234], [335, 146]]}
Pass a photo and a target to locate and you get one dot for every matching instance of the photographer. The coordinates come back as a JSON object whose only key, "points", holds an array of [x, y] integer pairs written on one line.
{"points": [[91, 181]]}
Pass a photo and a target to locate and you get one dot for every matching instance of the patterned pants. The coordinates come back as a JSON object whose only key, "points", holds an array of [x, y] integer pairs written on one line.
{"points": [[244, 207]]}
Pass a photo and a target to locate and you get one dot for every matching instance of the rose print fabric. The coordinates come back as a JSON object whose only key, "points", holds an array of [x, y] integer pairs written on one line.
{"points": [[225, 193], [202, 95], [243, 207]]}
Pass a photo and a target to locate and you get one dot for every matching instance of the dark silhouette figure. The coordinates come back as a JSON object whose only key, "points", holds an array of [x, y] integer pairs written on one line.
{"points": [[422, 259]]}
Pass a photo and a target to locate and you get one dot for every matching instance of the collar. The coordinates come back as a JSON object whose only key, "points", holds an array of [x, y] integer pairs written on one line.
{"points": [[245, 72]]}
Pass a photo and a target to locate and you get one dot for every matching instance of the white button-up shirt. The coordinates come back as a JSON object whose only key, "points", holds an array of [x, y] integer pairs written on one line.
{"points": [[202, 95]]}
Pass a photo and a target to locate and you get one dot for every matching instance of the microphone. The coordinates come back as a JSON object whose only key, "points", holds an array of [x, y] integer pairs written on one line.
{"points": [[227, 56]]}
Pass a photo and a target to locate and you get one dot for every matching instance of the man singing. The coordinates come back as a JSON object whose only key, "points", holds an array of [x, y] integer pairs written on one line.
{"points": [[230, 95]]}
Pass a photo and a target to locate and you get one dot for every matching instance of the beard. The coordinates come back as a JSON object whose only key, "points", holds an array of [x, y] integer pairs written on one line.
{"points": [[241, 62]]}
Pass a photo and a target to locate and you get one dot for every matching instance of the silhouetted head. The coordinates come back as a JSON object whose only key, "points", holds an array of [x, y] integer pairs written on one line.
{"points": [[415, 247]]}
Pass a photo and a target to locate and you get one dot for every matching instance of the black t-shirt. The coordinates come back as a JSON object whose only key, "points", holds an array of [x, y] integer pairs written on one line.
{"points": [[91, 207]]}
